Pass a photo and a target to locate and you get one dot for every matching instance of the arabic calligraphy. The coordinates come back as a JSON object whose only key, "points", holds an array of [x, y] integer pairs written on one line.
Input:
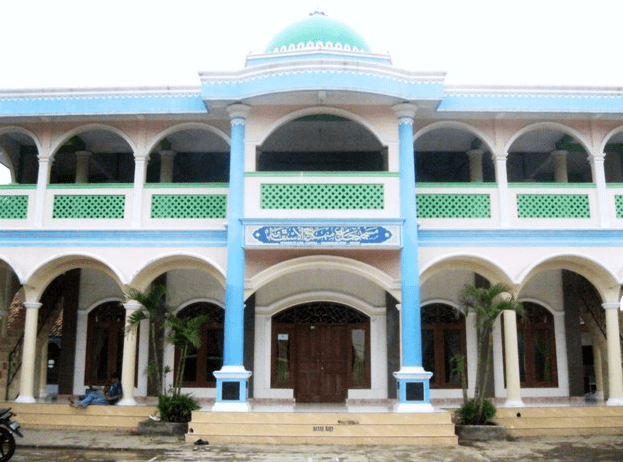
{"points": [[322, 235]]}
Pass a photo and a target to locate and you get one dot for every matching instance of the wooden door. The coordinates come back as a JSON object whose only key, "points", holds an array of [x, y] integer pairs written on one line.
{"points": [[321, 364]]}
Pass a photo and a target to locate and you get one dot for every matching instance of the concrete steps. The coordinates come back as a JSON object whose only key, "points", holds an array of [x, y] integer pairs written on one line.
{"points": [[434, 428], [92, 418], [561, 421]]}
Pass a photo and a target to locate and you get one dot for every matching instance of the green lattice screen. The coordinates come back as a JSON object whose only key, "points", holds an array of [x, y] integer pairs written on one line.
{"points": [[453, 206], [618, 201], [89, 206], [189, 206], [322, 196], [553, 206], [13, 207]]}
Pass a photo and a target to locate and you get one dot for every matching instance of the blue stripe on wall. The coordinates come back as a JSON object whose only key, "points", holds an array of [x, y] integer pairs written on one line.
{"points": [[198, 238]]}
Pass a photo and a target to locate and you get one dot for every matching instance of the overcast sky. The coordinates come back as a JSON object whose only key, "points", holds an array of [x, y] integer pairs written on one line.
{"points": [[89, 43]]}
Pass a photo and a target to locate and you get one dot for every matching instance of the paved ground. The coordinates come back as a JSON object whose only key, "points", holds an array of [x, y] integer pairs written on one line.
{"points": [[168, 448]]}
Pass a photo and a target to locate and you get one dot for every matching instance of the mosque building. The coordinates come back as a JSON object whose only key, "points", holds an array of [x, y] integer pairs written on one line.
{"points": [[324, 209]]}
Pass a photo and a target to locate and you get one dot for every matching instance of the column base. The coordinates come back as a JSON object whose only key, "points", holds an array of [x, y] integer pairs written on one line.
{"points": [[614, 402], [232, 389], [413, 390], [514, 403], [26, 399], [127, 402]]}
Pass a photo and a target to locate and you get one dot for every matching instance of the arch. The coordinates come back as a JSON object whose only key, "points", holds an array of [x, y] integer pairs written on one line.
{"points": [[475, 263], [101, 302], [325, 262], [186, 126], [609, 135], [579, 137], [187, 303], [540, 302], [87, 128], [15, 268], [23, 131], [154, 267], [459, 126], [42, 276], [444, 301], [328, 296], [316, 110], [604, 280]]}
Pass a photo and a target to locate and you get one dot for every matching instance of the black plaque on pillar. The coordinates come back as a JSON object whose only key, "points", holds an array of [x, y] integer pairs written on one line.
{"points": [[414, 391], [231, 391]]}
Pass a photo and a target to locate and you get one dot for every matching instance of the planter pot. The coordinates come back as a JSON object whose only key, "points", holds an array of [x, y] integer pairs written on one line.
{"points": [[480, 432], [149, 427]]}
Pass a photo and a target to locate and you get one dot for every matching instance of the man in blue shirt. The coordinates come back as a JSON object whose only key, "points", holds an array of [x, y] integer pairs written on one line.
{"points": [[112, 394]]}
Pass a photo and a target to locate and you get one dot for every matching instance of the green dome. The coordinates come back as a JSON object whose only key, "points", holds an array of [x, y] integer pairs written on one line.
{"points": [[317, 30]]}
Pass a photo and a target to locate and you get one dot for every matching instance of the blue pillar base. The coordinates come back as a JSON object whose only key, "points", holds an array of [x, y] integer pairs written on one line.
{"points": [[413, 390], [232, 390]]}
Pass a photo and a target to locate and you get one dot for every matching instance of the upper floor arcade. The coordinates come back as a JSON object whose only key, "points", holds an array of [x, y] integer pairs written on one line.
{"points": [[312, 163]]}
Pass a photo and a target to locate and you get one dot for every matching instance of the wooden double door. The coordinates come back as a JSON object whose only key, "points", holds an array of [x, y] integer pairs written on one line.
{"points": [[321, 366]]}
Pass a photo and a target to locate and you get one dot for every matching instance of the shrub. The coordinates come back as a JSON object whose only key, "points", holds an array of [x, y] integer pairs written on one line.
{"points": [[476, 412], [176, 408]]}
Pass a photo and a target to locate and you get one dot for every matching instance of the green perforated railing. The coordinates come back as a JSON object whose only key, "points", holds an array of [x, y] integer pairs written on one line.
{"points": [[618, 201], [453, 206], [553, 206], [89, 206], [13, 207], [322, 196], [189, 206]]}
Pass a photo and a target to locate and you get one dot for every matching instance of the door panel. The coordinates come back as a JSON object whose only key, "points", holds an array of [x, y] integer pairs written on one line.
{"points": [[321, 363]]}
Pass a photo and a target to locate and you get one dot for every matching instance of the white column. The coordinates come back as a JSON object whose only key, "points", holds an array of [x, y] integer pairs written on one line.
{"points": [[43, 369], [615, 375], [560, 163], [472, 351], [502, 181], [561, 352], [129, 356], [43, 178], [599, 178], [598, 369], [140, 171], [82, 166], [475, 165], [29, 353], [166, 166], [511, 350]]}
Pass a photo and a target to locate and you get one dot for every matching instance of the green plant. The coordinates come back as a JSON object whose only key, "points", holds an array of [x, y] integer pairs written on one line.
{"points": [[176, 407], [183, 333], [155, 310], [476, 412], [487, 303]]}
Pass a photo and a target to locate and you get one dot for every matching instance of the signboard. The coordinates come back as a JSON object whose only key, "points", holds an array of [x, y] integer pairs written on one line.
{"points": [[322, 236]]}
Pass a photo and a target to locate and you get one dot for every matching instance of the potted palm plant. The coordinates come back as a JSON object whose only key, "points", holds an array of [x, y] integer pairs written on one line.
{"points": [[488, 303]]}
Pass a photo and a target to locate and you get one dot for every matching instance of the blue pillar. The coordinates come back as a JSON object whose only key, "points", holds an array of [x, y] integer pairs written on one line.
{"points": [[232, 379], [413, 381]]}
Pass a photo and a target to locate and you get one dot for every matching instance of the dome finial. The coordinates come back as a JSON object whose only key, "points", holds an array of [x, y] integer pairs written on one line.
{"points": [[317, 11]]}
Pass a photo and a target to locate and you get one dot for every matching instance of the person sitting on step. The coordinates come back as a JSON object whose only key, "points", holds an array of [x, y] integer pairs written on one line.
{"points": [[112, 394]]}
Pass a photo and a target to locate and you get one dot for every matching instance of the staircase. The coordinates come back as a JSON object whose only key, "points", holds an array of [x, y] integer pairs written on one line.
{"points": [[63, 416], [435, 428], [561, 421]]}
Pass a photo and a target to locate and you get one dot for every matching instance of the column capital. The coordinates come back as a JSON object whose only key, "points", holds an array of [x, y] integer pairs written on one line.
{"points": [[167, 153], [611, 305], [597, 156], [132, 305], [475, 152], [405, 111], [84, 154], [32, 305], [238, 113]]}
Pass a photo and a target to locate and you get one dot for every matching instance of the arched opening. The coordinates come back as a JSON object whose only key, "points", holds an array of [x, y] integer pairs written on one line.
{"points": [[443, 337], [321, 143], [320, 350], [547, 156], [20, 157], [613, 162], [537, 347], [189, 156], [451, 155], [202, 362], [94, 156], [105, 339]]}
